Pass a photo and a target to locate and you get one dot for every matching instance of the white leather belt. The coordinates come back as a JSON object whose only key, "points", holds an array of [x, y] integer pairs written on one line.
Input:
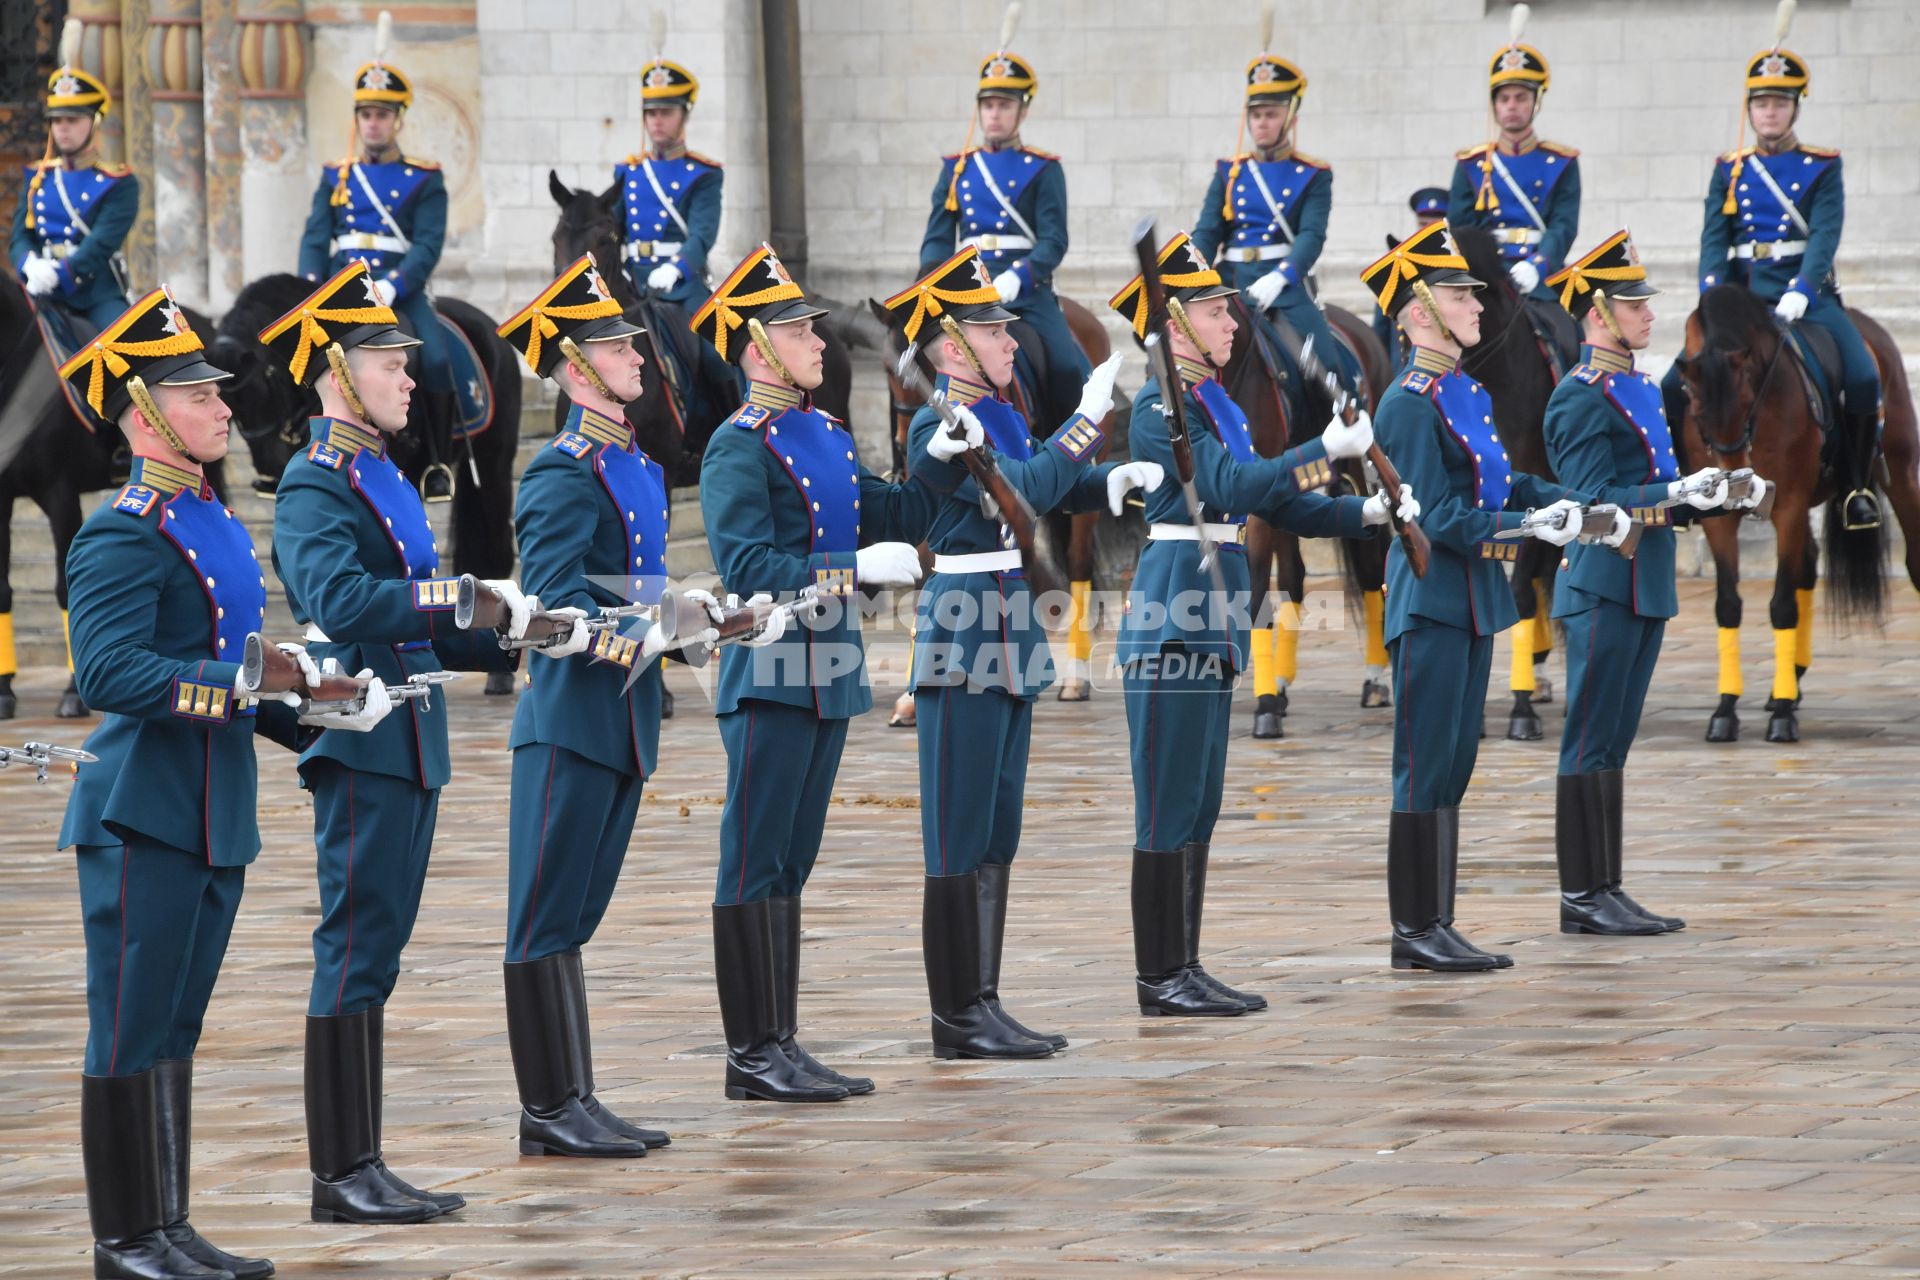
{"points": [[367, 240], [1769, 249], [1235, 533], [54, 250], [1517, 235], [1263, 253], [978, 562], [634, 250], [998, 244], [316, 636]]}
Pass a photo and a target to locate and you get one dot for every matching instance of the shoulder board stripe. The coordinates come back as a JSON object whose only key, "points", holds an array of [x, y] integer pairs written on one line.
{"points": [[1589, 374], [1560, 148], [750, 416], [573, 444], [136, 499]]}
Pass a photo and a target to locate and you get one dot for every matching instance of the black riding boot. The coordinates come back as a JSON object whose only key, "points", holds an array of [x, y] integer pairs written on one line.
{"points": [[580, 1051], [552, 1121], [445, 1201], [173, 1098], [1862, 439], [1449, 880], [1194, 899], [1612, 795], [783, 916], [1580, 840], [343, 1142], [442, 409], [993, 935], [120, 1149], [963, 1026], [743, 969], [1416, 897], [1164, 982]]}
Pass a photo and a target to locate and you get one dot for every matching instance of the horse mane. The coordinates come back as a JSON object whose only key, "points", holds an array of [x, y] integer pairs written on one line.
{"points": [[262, 302], [1732, 317]]}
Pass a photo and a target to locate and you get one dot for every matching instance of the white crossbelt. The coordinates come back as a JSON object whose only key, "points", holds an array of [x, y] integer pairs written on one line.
{"points": [[1768, 249], [634, 250], [1187, 533], [367, 240], [1263, 253], [997, 244], [978, 562]]}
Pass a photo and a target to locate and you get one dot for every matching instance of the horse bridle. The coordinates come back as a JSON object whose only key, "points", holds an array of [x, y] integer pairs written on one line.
{"points": [[1753, 410]]}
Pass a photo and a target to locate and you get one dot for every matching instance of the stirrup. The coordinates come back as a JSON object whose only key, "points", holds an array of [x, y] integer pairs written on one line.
{"points": [[1852, 525], [432, 492]]}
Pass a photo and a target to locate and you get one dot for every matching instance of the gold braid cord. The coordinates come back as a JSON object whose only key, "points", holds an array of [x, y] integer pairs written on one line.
{"points": [[106, 355], [150, 410], [313, 334], [337, 361], [761, 342], [578, 359], [951, 327], [929, 302], [1580, 280], [1403, 267], [542, 326], [729, 313], [1425, 297]]}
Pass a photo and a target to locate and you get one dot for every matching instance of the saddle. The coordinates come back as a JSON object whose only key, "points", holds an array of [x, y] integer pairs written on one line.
{"points": [[1817, 356], [1559, 335], [62, 333]]}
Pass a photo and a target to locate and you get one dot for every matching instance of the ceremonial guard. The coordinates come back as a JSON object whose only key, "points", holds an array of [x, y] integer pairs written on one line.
{"points": [[1182, 645], [1437, 424], [592, 524], [1010, 202], [1429, 205], [1607, 436], [166, 587], [356, 555], [789, 507], [1773, 217], [76, 209], [1525, 191], [980, 652]]}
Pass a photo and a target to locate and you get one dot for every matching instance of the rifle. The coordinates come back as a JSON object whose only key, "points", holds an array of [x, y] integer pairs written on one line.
{"points": [[41, 755], [682, 620], [479, 607], [1596, 522], [265, 670], [1739, 483], [1413, 540]]}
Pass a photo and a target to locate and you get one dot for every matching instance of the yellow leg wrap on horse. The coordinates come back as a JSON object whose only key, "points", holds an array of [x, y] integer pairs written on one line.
{"points": [[1079, 624], [1374, 605], [66, 633], [1730, 681], [1786, 685], [1286, 642], [1803, 634], [1520, 676], [9, 659], [1264, 682], [1542, 623]]}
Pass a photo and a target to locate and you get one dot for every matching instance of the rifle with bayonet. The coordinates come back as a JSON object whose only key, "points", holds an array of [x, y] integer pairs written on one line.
{"points": [[266, 670], [1596, 525], [1740, 484], [39, 756], [1413, 541], [478, 606]]}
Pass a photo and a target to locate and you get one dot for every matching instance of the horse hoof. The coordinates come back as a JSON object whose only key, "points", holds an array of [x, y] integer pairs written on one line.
{"points": [[1074, 691], [1266, 724], [1723, 728], [1280, 701], [1542, 690], [9, 705], [1783, 725], [666, 704], [72, 707], [499, 683], [1374, 693], [1523, 727]]}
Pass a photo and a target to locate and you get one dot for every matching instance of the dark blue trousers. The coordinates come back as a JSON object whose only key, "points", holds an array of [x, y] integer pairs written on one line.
{"points": [[157, 920], [781, 762], [1179, 707], [1439, 696], [1611, 652], [973, 775], [436, 368], [570, 821]]}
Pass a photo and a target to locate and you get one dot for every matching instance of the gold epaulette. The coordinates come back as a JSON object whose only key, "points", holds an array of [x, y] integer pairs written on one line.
{"points": [[1044, 155], [1303, 158], [418, 163], [1473, 152], [1825, 153], [708, 161], [114, 170], [1561, 149], [1728, 157]]}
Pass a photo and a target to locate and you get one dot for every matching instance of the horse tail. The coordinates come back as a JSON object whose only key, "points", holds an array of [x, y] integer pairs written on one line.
{"points": [[1856, 566]]}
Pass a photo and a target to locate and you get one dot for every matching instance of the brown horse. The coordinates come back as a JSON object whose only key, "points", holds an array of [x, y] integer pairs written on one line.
{"points": [[1752, 403]]}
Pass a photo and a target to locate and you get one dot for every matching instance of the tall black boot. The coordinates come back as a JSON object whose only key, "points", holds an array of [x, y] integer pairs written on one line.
{"points": [[120, 1149], [1414, 896], [993, 936], [445, 1201], [1612, 788], [173, 1098], [1580, 842], [1862, 437], [963, 1026], [343, 1144], [1194, 899], [1163, 983], [580, 1051], [1449, 881], [783, 917], [442, 410], [552, 1121], [743, 969]]}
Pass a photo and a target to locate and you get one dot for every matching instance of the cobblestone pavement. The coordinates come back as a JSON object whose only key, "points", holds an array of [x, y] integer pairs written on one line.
{"points": [[1740, 1100]]}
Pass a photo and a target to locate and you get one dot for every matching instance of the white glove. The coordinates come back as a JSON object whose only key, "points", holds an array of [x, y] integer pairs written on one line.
{"points": [[577, 640], [1096, 398], [1622, 526], [770, 630], [375, 708], [385, 291], [942, 447], [1132, 475], [42, 276], [887, 564], [1374, 510], [1704, 501], [1344, 441], [663, 277], [1756, 494], [1262, 292], [519, 606], [1565, 533], [1792, 305], [1007, 284], [1525, 276]]}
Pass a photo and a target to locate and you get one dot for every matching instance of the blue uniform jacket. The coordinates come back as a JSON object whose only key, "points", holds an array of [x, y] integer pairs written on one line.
{"points": [[163, 588], [592, 522], [1548, 174], [691, 184], [1606, 433], [1437, 427], [1172, 601], [106, 199], [356, 555], [787, 503], [1302, 188], [1031, 181], [1810, 178], [979, 628], [414, 193]]}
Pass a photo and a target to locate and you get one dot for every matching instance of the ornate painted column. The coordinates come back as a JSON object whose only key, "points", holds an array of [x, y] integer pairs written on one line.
{"points": [[220, 111], [179, 147], [100, 55], [136, 125], [275, 184]]}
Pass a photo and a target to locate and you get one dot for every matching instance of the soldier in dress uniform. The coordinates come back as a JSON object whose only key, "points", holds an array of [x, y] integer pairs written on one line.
{"points": [[1524, 190], [1436, 423], [788, 506], [166, 587], [1773, 217], [980, 653], [592, 525], [1009, 201], [361, 571], [1429, 205], [1607, 435], [1182, 646], [76, 209]]}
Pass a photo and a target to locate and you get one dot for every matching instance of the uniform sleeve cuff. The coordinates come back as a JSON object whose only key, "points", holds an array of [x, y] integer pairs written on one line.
{"points": [[837, 576], [207, 695], [623, 650], [1024, 269], [436, 595], [1080, 439]]}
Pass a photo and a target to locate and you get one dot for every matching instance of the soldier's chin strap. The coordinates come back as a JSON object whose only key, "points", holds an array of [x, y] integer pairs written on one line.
{"points": [[1425, 297], [764, 345], [951, 327], [1178, 314], [1605, 313], [337, 361], [590, 375], [150, 410]]}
